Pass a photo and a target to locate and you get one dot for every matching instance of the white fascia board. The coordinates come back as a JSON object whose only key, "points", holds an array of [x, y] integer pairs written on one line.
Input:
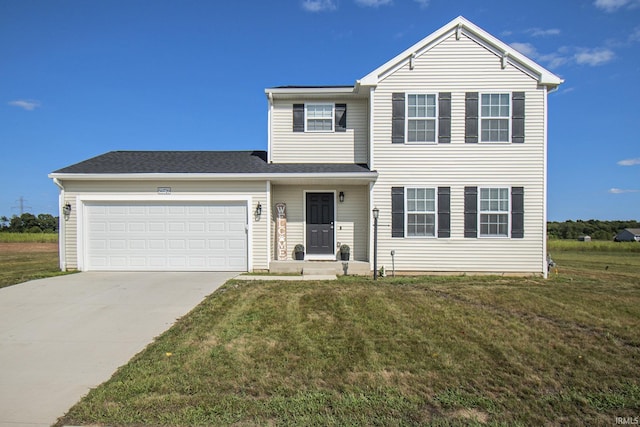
{"points": [[370, 176], [311, 91], [544, 76], [290, 93]]}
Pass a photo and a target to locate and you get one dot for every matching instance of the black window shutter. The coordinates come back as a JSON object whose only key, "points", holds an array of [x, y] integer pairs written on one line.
{"points": [[444, 117], [444, 212], [298, 117], [341, 117], [517, 118], [470, 211], [397, 211], [471, 117], [397, 118], [517, 212]]}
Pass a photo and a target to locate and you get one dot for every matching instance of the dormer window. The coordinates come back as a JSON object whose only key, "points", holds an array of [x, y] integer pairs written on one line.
{"points": [[319, 117]]}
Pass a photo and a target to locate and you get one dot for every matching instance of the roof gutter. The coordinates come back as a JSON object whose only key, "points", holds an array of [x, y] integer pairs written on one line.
{"points": [[371, 176]]}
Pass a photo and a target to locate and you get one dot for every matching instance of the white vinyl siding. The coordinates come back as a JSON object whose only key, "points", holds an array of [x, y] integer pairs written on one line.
{"points": [[187, 190], [351, 146], [460, 66]]}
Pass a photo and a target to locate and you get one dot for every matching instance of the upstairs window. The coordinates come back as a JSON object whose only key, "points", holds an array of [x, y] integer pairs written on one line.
{"points": [[319, 117], [421, 212], [494, 114], [494, 212], [421, 118]]}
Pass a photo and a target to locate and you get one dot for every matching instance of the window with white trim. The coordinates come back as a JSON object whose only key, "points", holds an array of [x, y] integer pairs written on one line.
{"points": [[495, 112], [421, 118], [319, 117], [421, 212], [494, 212]]}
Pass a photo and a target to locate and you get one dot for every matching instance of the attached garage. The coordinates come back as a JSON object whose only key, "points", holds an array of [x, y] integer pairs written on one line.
{"points": [[164, 236]]}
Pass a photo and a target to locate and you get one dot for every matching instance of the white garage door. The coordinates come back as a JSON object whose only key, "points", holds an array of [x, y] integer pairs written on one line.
{"points": [[149, 236]]}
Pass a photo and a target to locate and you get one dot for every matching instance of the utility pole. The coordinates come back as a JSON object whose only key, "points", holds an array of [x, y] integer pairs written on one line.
{"points": [[22, 207]]}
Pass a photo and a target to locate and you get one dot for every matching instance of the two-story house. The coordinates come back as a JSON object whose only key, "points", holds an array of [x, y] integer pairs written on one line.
{"points": [[447, 141]]}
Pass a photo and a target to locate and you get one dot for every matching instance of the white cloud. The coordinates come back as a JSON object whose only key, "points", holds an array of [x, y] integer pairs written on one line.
{"points": [[539, 32], [635, 35], [594, 57], [374, 3], [567, 90], [525, 48], [26, 104], [613, 5], [318, 5], [621, 191], [563, 55], [423, 3], [551, 60], [629, 162]]}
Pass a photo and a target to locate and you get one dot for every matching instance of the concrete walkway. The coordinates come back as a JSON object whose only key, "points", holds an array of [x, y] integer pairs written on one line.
{"points": [[62, 336]]}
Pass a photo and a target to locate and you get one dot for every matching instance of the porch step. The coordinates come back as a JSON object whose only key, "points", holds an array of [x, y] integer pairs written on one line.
{"points": [[313, 268]]}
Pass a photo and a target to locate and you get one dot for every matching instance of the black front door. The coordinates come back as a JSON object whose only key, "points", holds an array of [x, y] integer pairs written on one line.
{"points": [[320, 223]]}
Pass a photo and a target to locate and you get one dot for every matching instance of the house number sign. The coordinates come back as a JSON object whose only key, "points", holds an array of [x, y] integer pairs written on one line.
{"points": [[281, 230]]}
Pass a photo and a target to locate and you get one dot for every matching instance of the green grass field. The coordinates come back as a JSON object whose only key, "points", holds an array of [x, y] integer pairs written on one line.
{"points": [[403, 351], [28, 237], [26, 257]]}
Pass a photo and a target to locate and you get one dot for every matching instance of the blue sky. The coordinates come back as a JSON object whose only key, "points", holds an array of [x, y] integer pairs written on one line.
{"points": [[80, 78]]}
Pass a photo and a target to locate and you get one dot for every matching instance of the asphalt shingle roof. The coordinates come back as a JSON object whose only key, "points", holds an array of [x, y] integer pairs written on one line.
{"points": [[128, 162]]}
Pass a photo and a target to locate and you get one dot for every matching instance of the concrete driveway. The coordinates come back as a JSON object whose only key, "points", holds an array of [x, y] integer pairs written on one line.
{"points": [[60, 337]]}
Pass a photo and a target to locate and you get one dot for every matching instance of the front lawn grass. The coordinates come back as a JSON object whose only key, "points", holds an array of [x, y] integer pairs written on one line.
{"points": [[403, 351], [27, 259]]}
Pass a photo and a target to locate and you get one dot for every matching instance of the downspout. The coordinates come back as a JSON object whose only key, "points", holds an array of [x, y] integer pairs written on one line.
{"points": [[545, 265], [62, 232], [270, 251]]}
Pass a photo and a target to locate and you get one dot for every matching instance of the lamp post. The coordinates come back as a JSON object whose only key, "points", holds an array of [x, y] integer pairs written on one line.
{"points": [[376, 212]]}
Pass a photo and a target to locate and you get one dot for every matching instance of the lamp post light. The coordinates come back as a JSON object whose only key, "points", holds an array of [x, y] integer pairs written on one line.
{"points": [[376, 213]]}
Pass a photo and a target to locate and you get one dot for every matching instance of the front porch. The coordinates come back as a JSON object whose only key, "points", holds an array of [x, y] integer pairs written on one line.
{"points": [[313, 268], [320, 218]]}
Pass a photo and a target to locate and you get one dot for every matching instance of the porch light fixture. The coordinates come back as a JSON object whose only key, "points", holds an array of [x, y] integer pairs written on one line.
{"points": [[259, 209], [341, 196], [376, 213], [66, 210]]}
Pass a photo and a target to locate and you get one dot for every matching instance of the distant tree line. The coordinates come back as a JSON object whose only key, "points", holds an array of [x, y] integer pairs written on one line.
{"points": [[596, 229], [29, 223]]}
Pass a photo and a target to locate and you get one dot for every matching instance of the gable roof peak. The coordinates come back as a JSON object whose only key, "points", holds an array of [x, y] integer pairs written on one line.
{"points": [[458, 26]]}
